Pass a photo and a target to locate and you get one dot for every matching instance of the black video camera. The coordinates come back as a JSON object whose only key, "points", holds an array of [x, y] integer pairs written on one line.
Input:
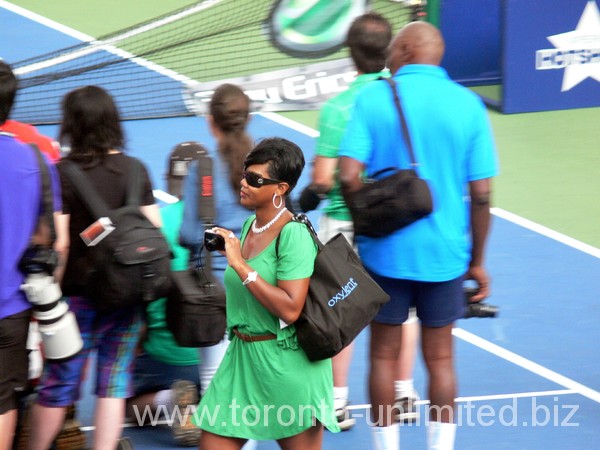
{"points": [[213, 241], [479, 309]]}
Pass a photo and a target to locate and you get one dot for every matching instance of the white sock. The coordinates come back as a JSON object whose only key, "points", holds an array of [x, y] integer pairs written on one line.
{"points": [[250, 445], [440, 436], [386, 438], [210, 358], [404, 388], [164, 397], [340, 396]]}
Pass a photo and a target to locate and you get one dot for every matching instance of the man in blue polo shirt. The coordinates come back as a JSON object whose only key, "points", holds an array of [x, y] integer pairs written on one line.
{"points": [[20, 197], [424, 264]]}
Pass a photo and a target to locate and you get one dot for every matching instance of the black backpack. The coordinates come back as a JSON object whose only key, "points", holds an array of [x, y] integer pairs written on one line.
{"points": [[131, 265]]}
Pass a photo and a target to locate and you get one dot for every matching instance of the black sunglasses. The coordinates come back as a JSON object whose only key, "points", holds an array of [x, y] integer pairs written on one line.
{"points": [[255, 180]]}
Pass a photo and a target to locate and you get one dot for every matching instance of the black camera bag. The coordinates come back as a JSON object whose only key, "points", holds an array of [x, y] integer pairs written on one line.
{"points": [[196, 308], [384, 205]]}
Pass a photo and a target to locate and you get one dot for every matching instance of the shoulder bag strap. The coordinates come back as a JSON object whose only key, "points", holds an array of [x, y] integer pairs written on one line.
{"points": [[403, 126], [84, 190], [301, 218], [206, 198], [206, 201], [135, 184], [47, 193]]}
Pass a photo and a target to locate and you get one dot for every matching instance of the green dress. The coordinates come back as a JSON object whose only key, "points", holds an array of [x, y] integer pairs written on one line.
{"points": [[269, 389]]}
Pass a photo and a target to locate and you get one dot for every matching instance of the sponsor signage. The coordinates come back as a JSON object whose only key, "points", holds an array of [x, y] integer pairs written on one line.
{"points": [[551, 55], [298, 88]]}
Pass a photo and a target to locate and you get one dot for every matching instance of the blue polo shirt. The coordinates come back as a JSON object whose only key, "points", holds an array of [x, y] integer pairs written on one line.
{"points": [[20, 201], [453, 144]]}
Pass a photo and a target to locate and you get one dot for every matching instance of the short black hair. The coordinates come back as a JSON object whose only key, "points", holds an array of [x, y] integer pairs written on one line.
{"points": [[368, 39], [8, 90], [284, 159]]}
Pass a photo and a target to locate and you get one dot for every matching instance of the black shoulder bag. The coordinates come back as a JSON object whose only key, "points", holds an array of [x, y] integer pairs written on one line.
{"points": [[196, 304], [384, 205], [342, 298]]}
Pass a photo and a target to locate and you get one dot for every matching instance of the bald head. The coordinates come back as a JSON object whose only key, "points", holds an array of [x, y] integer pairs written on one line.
{"points": [[416, 43]]}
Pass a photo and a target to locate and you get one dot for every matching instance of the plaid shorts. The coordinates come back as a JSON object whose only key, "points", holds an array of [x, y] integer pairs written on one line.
{"points": [[114, 336]]}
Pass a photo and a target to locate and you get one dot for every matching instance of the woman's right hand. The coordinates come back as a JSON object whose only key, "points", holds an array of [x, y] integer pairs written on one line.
{"points": [[233, 249]]}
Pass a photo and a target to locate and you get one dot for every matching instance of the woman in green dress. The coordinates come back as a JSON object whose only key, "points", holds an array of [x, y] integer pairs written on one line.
{"points": [[266, 388]]}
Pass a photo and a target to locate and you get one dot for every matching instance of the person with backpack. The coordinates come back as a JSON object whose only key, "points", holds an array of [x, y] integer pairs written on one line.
{"points": [[91, 128], [229, 114], [166, 377]]}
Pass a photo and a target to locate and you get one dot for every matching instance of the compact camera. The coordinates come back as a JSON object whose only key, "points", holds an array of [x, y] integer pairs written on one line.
{"points": [[57, 325], [479, 309], [213, 241]]}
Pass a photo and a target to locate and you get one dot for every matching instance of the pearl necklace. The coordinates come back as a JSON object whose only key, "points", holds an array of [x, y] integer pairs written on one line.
{"points": [[257, 230]]}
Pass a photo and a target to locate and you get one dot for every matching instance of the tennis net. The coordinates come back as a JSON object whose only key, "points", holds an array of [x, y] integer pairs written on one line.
{"points": [[148, 67]]}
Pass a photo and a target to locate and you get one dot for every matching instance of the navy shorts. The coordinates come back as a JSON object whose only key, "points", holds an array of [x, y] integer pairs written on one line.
{"points": [[437, 304], [152, 375]]}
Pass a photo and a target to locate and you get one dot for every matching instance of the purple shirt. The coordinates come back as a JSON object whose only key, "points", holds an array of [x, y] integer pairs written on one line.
{"points": [[20, 204]]}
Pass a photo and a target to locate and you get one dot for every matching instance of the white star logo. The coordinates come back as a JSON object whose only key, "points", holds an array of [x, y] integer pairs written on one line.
{"points": [[585, 37]]}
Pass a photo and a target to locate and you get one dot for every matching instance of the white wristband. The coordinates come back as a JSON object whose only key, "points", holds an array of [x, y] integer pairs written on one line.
{"points": [[252, 276]]}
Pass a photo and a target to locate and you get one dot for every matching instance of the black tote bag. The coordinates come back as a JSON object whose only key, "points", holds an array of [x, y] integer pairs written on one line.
{"points": [[342, 298]]}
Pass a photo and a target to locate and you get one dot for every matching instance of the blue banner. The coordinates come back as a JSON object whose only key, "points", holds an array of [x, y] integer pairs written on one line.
{"points": [[551, 55]]}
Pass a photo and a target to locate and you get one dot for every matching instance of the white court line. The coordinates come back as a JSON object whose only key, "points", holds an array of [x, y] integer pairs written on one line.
{"points": [[164, 196], [525, 223], [45, 21], [483, 398], [95, 45], [527, 364], [545, 231], [478, 398], [301, 128]]}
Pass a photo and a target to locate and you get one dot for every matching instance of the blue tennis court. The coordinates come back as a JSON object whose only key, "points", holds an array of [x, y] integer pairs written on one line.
{"points": [[528, 379]]}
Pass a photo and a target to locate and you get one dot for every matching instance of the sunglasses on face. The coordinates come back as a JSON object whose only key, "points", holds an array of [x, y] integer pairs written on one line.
{"points": [[255, 180]]}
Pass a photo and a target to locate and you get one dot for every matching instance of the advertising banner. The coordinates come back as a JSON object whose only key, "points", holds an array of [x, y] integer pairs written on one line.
{"points": [[296, 88], [551, 55]]}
